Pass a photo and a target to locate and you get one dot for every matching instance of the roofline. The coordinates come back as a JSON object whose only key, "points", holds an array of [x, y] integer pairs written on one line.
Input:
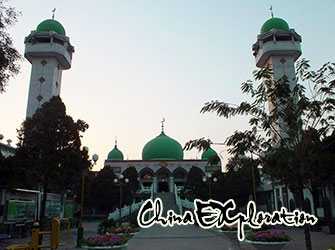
{"points": [[156, 160]]}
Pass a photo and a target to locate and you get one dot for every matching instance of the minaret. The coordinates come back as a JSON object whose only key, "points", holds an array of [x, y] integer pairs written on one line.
{"points": [[49, 51], [279, 47]]}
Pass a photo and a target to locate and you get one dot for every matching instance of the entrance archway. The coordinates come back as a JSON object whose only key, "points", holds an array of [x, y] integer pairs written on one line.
{"points": [[163, 186], [163, 175]]}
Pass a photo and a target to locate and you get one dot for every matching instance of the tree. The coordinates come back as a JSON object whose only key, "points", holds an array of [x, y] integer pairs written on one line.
{"points": [[238, 181], [284, 135], [129, 189], [105, 193], [9, 56], [50, 149], [194, 187]]}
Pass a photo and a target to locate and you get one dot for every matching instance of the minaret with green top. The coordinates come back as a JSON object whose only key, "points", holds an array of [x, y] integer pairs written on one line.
{"points": [[49, 51], [278, 46]]}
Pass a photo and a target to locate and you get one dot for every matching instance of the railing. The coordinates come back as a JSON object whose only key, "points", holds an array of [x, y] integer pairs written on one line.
{"points": [[187, 204], [177, 198], [54, 236], [151, 198], [125, 211]]}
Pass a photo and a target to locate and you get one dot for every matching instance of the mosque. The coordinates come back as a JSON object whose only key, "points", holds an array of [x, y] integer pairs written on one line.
{"points": [[162, 164]]}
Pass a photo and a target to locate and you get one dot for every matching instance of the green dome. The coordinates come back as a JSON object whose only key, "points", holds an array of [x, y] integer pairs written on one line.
{"points": [[162, 148], [274, 23], [115, 154], [208, 154], [51, 25]]}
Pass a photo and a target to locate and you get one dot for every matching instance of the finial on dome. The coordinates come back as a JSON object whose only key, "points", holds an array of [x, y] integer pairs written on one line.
{"points": [[53, 13], [163, 124], [115, 141], [271, 11]]}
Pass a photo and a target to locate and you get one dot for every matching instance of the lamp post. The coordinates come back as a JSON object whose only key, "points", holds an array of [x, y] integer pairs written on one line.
{"points": [[80, 230], [119, 181], [210, 180]]}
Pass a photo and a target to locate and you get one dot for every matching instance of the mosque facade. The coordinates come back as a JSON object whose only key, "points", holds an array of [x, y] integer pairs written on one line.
{"points": [[162, 166]]}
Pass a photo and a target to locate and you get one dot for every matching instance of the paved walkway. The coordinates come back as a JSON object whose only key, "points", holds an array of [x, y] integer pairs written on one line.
{"points": [[189, 237]]}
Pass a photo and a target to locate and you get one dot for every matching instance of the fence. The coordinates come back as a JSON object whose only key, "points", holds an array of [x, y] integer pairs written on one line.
{"points": [[177, 198], [187, 204], [125, 211]]}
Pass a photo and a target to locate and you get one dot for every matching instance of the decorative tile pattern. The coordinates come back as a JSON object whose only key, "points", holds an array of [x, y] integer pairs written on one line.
{"points": [[42, 79], [39, 98], [44, 62]]}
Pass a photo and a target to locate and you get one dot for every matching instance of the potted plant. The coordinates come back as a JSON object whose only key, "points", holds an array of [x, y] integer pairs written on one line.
{"points": [[268, 239], [106, 241], [123, 230], [231, 233]]}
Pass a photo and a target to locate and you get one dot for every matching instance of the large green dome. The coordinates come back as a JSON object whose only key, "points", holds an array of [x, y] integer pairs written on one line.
{"points": [[208, 154], [162, 147], [274, 23], [51, 25], [115, 154]]}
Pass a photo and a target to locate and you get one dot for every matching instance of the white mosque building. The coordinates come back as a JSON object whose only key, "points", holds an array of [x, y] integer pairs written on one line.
{"points": [[162, 165]]}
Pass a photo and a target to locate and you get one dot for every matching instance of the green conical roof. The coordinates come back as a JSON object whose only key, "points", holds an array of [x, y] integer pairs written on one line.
{"points": [[162, 147], [208, 154], [115, 154], [275, 23], [51, 25]]}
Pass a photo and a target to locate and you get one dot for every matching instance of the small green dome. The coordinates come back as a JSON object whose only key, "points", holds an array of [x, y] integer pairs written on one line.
{"points": [[115, 154], [274, 23], [208, 154], [51, 25], [162, 147]]}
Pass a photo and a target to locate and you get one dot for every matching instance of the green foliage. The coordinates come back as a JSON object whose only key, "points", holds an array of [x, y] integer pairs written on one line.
{"points": [[106, 224], [129, 189], [50, 151], [50, 146], [9, 56], [101, 190], [290, 136], [194, 187], [238, 183]]}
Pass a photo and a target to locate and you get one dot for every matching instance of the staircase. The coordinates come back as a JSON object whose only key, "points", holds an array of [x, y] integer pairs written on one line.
{"points": [[169, 202]]}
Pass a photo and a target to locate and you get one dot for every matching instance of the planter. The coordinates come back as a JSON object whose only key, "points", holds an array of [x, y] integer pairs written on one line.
{"points": [[234, 242], [124, 233], [106, 247], [262, 245]]}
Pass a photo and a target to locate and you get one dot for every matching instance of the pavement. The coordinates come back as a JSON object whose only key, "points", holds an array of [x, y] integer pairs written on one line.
{"points": [[188, 237]]}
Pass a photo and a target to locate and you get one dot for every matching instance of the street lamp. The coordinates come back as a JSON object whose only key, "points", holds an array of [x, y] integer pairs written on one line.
{"points": [[119, 181], [80, 230], [210, 180]]}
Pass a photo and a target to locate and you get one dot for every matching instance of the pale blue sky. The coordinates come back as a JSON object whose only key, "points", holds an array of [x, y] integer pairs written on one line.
{"points": [[138, 61]]}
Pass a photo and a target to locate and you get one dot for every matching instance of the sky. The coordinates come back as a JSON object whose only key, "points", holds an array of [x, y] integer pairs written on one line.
{"points": [[137, 61]]}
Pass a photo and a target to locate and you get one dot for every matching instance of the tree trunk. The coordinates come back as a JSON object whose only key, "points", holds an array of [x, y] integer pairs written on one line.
{"points": [[316, 227], [42, 215], [328, 212], [43, 208], [301, 206]]}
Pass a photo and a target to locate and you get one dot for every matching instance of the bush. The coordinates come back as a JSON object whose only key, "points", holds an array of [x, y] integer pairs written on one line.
{"points": [[106, 224]]}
